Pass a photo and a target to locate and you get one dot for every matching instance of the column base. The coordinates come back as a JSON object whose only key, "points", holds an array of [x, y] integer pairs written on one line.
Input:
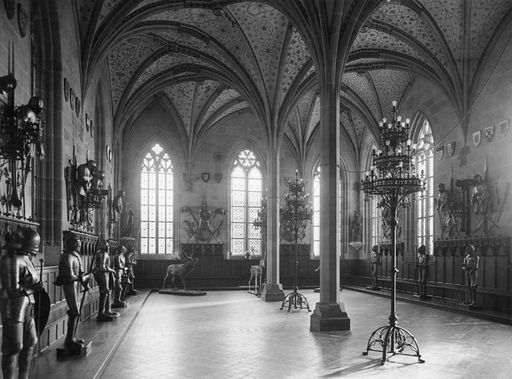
{"points": [[272, 292], [329, 317]]}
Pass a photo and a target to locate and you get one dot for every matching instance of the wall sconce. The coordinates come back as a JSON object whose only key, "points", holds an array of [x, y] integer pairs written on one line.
{"points": [[21, 133]]}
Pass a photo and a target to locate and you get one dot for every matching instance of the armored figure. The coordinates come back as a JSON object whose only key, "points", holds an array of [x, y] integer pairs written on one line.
{"points": [[18, 283], [71, 273], [470, 267], [480, 196], [131, 262], [102, 271], [117, 204], [374, 264], [121, 277], [423, 271]]}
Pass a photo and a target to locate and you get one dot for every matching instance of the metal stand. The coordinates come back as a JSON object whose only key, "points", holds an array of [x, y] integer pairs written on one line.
{"points": [[393, 339], [295, 298]]}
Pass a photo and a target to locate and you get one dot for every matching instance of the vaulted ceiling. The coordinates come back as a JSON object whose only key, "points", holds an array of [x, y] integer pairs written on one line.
{"points": [[213, 59]]}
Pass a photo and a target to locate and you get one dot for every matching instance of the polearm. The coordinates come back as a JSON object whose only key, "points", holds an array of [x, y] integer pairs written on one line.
{"points": [[85, 284]]}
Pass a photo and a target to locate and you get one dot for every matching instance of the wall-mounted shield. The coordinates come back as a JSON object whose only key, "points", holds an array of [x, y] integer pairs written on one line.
{"points": [[451, 148], [504, 127], [440, 152], [477, 138], [205, 176], [489, 133]]}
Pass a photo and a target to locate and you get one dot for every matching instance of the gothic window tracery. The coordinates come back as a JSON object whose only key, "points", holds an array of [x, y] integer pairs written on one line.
{"points": [[157, 202], [246, 195]]}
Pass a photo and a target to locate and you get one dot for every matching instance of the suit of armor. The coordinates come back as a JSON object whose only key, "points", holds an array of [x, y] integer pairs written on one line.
{"points": [[470, 267], [71, 273], [423, 271], [18, 282], [101, 273], [374, 263], [131, 262], [121, 277]]}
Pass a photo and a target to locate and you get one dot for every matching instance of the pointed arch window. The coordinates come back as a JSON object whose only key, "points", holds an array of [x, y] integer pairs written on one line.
{"points": [[315, 222], [246, 194], [156, 202], [425, 199]]}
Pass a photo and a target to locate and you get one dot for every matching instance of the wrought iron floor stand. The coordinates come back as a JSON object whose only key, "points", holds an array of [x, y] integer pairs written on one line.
{"points": [[393, 340], [295, 298]]}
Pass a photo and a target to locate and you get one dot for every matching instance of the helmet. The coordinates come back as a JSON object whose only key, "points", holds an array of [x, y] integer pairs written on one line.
{"points": [[27, 239], [71, 241], [122, 249]]}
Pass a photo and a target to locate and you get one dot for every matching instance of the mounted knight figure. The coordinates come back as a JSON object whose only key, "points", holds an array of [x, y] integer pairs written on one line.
{"points": [[180, 270]]}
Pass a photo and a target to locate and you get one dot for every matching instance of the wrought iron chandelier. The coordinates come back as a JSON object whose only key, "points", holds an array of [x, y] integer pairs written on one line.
{"points": [[393, 177], [295, 214]]}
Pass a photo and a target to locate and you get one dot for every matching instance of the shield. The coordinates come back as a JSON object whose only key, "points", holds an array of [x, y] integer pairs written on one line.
{"points": [[477, 138], [205, 176], [22, 20], [10, 8], [504, 127], [489, 133], [451, 148], [41, 310], [440, 152]]}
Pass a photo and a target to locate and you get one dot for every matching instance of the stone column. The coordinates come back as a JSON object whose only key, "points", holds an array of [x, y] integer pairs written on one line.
{"points": [[273, 290], [329, 313]]}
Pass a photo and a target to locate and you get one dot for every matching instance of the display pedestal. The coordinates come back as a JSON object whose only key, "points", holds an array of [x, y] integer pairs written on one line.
{"points": [[63, 353], [181, 292]]}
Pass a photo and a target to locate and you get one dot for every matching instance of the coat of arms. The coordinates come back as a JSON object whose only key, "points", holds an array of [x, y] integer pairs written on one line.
{"points": [[451, 148], [440, 152], [205, 176], [489, 133], [477, 138], [504, 127]]}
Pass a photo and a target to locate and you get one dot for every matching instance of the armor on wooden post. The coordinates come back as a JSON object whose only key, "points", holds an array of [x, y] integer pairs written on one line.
{"points": [[375, 255], [470, 267], [102, 271], [71, 274], [18, 283], [131, 262], [423, 271], [120, 282]]}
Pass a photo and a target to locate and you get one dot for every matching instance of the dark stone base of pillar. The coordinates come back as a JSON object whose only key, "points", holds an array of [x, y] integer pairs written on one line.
{"points": [[329, 317], [272, 292]]}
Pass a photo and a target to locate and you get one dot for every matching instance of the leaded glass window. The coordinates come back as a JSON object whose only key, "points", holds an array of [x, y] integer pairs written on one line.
{"points": [[246, 194], [316, 213], [425, 199], [156, 202]]}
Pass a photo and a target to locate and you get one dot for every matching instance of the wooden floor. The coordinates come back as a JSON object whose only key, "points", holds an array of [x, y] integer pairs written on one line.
{"points": [[233, 334]]}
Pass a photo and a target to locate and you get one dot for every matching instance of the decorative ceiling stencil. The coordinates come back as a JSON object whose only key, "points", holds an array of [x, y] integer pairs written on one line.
{"points": [[224, 97], [235, 108], [85, 8], [219, 27], [181, 96], [405, 19], [390, 85], [304, 106], [485, 17], [161, 64], [375, 39], [296, 57], [359, 84], [348, 125], [359, 127], [204, 90], [265, 29], [108, 6], [315, 117], [195, 43], [449, 16], [124, 59]]}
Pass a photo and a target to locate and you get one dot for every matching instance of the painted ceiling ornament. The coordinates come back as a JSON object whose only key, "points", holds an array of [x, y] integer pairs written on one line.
{"points": [[489, 133], [22, 20], [440, 152], [504, 127], [477, 138], [10, 8], [451, 148]]}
